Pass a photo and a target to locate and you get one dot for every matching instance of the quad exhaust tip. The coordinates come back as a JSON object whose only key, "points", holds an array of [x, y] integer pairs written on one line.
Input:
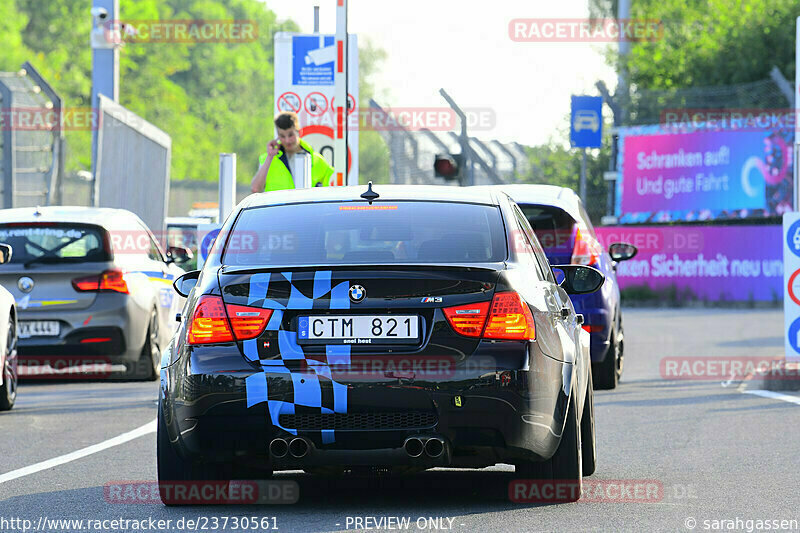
{"points": [[279, 448], [414, 447], [434, 447], [298, 448]]}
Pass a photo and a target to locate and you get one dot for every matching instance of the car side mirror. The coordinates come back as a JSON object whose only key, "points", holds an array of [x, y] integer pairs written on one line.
{"points": [[578, 279], [5, 253], [179, 254], [184, 284], [622, 251]]}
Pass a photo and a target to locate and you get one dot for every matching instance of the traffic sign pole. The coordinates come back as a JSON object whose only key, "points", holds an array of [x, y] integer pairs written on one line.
{"points": [[583, 178], [340, 83]]}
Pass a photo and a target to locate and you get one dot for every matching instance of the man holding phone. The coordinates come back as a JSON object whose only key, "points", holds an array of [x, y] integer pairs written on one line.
{"points": [[276, 168]]}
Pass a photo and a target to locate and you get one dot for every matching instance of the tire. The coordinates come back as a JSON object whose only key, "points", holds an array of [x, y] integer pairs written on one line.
{"points": [[588, 438], [566, 465], [148, 366], [8, 390], [174, 469], [606, 373], [171, 467]]}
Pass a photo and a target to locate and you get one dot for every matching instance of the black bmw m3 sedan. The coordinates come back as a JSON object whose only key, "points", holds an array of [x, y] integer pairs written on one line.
{"points": [[385, 327]]}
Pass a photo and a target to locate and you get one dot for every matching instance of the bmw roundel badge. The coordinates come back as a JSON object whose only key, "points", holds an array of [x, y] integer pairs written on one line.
{"points": [[357, 293]]}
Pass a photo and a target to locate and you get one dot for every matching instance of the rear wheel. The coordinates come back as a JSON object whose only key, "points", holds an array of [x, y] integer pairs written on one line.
{"points": [[8, 390], [148, 365], [565, 468], [606, 372], [175, 471], [588, 439]]}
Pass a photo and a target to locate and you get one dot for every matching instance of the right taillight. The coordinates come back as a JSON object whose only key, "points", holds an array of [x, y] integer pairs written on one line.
{"points": [[468, 320], [110, 280], [506, 317], [586, 250], [509, 318], [212, 321]]}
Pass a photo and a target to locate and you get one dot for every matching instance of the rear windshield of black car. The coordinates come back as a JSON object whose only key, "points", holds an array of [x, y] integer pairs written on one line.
{"points": [[552, 225], [54, 243], [362, 234]]}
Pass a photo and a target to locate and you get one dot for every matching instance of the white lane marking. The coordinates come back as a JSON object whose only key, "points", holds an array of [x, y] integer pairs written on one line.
{"points": [[150, 427], [775, 395]]}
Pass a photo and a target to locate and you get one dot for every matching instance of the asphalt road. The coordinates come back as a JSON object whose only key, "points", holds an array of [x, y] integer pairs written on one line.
{"points": [[716, 451]]}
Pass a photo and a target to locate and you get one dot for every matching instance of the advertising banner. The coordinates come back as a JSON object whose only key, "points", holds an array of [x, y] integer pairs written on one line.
{"points": [[703, 263], [703, 174]]}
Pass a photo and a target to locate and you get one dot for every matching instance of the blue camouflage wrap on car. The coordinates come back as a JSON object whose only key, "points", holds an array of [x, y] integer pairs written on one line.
{"points": [[313, 390]]}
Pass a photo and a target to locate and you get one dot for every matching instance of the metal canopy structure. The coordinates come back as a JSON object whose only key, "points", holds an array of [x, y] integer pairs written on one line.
{"points": [[32, 139]]}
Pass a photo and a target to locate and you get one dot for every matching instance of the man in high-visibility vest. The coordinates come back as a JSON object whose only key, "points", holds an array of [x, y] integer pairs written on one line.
{"points": [[275, 166]]}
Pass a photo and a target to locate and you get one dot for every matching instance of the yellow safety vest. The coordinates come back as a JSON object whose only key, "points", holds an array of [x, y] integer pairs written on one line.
{"points": [[280, 178]]}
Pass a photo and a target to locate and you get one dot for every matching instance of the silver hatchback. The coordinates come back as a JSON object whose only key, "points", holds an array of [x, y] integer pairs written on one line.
{"points": [[93, 291]]}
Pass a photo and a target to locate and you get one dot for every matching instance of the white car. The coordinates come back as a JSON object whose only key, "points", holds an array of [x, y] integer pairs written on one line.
{"points": [[8, 341]]}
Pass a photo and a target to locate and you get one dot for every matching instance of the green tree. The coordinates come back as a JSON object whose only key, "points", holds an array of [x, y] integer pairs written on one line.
{"points": [[209, 97], [715, 42], [554, 163]]}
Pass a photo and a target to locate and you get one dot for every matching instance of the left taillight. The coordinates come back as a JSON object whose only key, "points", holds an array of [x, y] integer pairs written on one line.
{"points": [[586, 250], [109, 280], [214, 322], [247, 322]]}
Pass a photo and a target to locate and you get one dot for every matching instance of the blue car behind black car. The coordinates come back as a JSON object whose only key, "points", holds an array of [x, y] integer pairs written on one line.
{"points": [[563, 227]]}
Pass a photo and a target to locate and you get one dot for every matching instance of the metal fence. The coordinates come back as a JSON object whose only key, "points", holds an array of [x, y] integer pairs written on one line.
{"points": [[31, 134], [412, 153], [133, 160], [184, 195]]}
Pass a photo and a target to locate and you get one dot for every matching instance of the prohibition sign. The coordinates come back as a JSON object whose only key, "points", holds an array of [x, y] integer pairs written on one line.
{"points": [[351, 104], [289, 102], [316, 104], [792, 294]]}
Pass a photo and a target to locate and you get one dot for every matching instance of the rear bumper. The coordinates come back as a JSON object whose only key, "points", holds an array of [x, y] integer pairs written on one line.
{"points": [[481, 419], [113, 328]]}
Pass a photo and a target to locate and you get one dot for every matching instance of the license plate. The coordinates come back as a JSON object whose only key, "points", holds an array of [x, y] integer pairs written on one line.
{"points": [[39, 328], [358, 329]]}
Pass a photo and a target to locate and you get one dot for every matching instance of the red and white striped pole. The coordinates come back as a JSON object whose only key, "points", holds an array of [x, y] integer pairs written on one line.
{"points": [[340, 82]]}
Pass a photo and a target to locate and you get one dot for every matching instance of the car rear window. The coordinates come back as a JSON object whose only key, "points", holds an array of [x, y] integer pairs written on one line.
{"points": [[552, 225], [363, 234], [54, 243]]}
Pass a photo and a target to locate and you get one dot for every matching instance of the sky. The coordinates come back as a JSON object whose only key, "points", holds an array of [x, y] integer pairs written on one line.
{"points": [[464, 47]]}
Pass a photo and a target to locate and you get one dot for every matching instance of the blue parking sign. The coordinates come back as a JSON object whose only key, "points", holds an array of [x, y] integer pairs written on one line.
{"points": [[586, 122]]}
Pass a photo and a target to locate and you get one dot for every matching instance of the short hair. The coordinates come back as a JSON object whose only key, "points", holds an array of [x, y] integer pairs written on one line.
{"points": [[287, 120]]}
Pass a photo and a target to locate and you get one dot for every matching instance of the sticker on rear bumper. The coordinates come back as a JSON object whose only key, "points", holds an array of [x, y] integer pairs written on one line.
{"points": [[313, 390]]}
